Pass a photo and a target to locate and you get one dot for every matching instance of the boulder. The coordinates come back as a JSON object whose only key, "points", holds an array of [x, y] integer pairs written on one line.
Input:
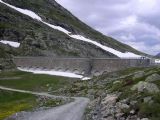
{"points": [[133, 103], [148, 100], [144, 119], [122, 106], [150, 72], [109, 99], [108, 106], [132, 112], [153, 77], [145, 86], [117, 82], [138, 74]]}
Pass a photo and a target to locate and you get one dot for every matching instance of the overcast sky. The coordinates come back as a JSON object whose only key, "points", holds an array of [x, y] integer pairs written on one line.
{"points": [[133, 22]]}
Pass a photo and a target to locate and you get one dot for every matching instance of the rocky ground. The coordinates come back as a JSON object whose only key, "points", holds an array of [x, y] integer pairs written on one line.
{"points": [[131, 94], [134, 96]]}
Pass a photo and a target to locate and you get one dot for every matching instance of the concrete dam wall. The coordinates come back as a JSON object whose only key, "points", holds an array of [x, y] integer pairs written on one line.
{"points": [[86, 66]]}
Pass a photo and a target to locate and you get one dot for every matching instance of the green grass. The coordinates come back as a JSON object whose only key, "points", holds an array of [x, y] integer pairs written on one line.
{"points": [[130, 70], [152, 110], [68, 86], [13, 102], [34, 82]]}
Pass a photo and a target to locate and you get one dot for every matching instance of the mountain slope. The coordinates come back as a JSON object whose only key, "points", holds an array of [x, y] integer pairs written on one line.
{"points": [[158, 55], [53, 13], [38, 39]]}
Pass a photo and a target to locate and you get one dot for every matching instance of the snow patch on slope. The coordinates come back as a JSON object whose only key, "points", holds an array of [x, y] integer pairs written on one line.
{"points": [[57, 28], [111, 50], [56, 73], [157, 61], [24, 11], [78, 37], [11, 43]]}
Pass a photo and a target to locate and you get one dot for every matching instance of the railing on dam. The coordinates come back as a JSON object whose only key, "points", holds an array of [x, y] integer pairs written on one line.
{"points": [[87, 66]]}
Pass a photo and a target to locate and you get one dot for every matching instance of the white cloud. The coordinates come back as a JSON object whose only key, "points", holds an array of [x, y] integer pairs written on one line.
{"points": [[136, 21], [129, 21], [146, 7]]}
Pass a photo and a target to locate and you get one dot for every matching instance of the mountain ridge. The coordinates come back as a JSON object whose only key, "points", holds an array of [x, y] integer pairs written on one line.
{"points": [[158, 55], [37, 38]]}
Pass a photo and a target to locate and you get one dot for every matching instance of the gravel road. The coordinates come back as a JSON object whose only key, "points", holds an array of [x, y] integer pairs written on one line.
{"points": [[70, 111]]}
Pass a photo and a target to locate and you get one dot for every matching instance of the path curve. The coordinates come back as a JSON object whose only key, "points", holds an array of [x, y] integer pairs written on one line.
{"points": [[70, 111]]}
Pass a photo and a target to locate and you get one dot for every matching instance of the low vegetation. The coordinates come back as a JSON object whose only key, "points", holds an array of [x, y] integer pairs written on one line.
{"points": [[146, 104], [13, 102], [33, 82]]}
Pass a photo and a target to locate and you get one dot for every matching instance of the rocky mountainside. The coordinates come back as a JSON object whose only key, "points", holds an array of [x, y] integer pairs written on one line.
{"points": [[158, 55], [131, 94], [39, 39], [44, 28]]}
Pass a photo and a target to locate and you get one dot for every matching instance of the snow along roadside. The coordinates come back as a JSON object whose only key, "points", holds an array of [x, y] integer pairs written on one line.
{"points": [[56, 73], [78, 37], [11, 43]]}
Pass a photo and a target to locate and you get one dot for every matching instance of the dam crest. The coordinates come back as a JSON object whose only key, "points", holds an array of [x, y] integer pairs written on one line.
{"points": [[84, 66]]}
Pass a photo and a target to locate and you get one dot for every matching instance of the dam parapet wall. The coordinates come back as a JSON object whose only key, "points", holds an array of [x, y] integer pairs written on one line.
{"points": [[86, 66]]}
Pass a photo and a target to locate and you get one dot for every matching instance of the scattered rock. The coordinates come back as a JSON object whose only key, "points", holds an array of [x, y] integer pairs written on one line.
{"points": [[150, 72], [18, 116], [148, 99], [117, 82], [122, 105], [49, 89], [133, 103], [132, 111], [138, 74], [109, 118], [118, 115], [144, 119], [110, 99], [132, 118], [153, 77], [145, 86], [47, 85]]}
